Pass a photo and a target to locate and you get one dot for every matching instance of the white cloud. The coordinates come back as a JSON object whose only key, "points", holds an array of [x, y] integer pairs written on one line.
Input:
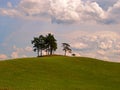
{"points": [[79, 45], [101, 52], [3, 56], [114, 12], [21, 52], [63, 11], [9, 4], [105, 4], [28, 49], [10, 12], [105, 34], [18, 49], [14, 55], [34, 7], [106, 45], [17, 52], [118, 45], [116, 52], [101, 45], [24, 56], [69, 11]]}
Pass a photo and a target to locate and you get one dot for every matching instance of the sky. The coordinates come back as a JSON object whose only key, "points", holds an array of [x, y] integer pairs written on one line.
{"points": [[91, 27]]}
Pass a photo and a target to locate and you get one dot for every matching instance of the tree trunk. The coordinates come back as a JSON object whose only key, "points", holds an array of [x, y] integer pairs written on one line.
{"points": [[65, 52], [38, 53], [41, 52], [50, 51], [47, 51]]}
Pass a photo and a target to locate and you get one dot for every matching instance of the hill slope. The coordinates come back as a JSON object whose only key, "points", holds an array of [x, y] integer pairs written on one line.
{"points": [[59, 73]]}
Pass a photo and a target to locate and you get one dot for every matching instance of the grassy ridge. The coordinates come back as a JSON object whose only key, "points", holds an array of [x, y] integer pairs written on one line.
{"points": [[59, 73]]}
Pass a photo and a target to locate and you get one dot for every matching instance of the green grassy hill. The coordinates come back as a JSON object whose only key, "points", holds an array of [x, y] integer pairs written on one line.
{"points": [[59, 73]]}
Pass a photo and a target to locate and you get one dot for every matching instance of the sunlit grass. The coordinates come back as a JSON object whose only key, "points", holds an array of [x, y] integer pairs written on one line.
{"points": [[59, 73]]}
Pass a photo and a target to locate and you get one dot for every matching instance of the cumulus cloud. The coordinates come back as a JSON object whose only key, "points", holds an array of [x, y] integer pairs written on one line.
{"points": [[3, 56], [114, 12], [28, 49], [14, 55], [18, 50], [64, 11], [105, 4], [9, 4], [34, 7], [10, 12], [101, 52], [106, 45], [118, 45], [101, 45], [21, 52], [79, 45]]}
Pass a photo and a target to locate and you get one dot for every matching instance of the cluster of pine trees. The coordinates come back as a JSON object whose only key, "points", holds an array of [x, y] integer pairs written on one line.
{"points": [[47, 43]]}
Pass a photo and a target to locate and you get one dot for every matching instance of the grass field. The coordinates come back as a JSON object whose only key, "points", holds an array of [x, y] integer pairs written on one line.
{"points": [[59, 73]]}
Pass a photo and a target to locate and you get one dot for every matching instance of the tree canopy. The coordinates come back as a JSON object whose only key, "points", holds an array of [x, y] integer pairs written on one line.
{"points": [[51, 44], [66, 48], [47, 43]]}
